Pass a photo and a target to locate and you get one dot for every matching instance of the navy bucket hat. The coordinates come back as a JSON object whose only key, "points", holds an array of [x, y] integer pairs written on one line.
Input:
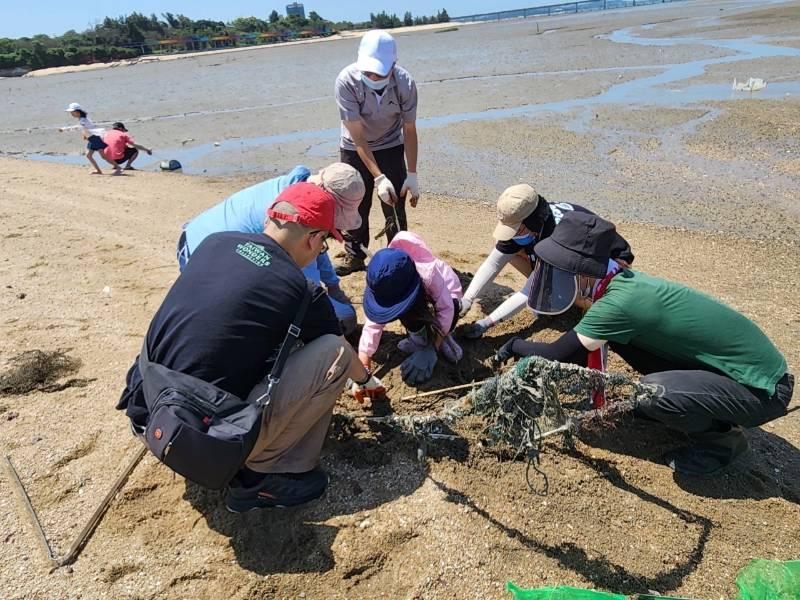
{"points": [[393, 285]]}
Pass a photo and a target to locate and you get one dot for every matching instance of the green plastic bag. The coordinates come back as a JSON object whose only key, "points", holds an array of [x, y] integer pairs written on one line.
{"points": [[565, 592], [769, 580], [562, 592]]}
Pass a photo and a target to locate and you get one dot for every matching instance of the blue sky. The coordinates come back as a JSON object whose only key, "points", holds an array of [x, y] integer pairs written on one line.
{"points": [[54, 17]]}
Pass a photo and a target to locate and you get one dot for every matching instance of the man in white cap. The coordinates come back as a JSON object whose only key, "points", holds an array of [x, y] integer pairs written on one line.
{"points": [[377, 103], [244, 212]]}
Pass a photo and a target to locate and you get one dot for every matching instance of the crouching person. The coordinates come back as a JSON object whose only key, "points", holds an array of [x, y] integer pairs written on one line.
{"points": [[715, 372], [222, 327], [244, 211], [525, 218], [407, 282]]}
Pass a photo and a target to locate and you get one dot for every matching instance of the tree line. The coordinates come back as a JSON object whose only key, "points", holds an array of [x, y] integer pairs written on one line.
{"points": [[136, 34]]}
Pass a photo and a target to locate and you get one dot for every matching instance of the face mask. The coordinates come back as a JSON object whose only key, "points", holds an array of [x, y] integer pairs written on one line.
{"points": [[375, 85]]}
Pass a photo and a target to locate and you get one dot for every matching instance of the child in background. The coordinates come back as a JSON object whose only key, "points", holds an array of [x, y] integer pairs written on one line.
{"points": [[91, 133], [121, 147], [407, 282]]}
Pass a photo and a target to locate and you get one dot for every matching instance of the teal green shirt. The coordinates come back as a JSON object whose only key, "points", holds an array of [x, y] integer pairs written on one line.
{"points": [[683, 325]]}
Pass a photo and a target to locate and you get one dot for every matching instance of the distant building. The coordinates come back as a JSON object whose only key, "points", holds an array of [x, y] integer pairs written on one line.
{"points": [[296, 8]]}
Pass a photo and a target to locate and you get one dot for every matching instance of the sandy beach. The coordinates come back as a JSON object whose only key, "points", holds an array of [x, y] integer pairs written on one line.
{"points": [[704, 189]]}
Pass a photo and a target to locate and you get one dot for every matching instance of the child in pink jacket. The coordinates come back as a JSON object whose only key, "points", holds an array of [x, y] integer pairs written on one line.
{"points": [[407, 282]]}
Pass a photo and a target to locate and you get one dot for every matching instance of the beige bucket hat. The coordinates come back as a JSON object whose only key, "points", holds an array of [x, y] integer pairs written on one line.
{"points": [[347, 186]]}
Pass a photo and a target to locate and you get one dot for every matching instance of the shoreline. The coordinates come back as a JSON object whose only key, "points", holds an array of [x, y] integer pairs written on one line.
{"points": [[152, 58]]}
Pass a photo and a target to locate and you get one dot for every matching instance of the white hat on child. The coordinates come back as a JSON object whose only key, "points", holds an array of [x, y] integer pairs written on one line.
{"points": [[74, 106]]}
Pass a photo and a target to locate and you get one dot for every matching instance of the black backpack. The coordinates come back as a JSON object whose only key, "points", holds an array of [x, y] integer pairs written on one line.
{"points": [[199, 430]]}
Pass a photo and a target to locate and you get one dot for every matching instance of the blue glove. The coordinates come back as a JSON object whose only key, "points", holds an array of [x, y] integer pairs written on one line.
{"points": [[418, 368]]}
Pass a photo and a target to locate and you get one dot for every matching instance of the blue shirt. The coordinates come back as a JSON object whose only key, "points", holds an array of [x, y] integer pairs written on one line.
{"points": [[245, 212]]}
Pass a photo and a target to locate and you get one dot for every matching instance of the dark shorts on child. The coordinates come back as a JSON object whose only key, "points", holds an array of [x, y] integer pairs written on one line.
{"points": [[129, 154], [95, 142]]}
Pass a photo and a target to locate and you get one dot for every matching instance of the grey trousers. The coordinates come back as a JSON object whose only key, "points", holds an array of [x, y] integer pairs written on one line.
{"points": [[296, 420]]}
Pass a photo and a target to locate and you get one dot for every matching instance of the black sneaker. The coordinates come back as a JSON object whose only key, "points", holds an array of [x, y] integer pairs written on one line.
{"points": [[349, 263], [710, 458], [276, 490]]}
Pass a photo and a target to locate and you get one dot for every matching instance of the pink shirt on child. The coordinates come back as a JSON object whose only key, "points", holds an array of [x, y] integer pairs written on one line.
{"points": [[117, 142], [438, 278]]}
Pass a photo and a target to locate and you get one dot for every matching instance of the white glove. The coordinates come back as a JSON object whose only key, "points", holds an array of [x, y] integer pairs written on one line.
{"points": [[374, 388], [385, 190], [411, 187], [466, 304]]}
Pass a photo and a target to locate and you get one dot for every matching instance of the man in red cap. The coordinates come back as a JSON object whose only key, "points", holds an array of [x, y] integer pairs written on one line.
{"points": [[223, 322]]}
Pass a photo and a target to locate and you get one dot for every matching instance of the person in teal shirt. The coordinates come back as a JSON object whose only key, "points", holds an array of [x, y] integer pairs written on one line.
{"points": [[246, 209], [714, 370]]}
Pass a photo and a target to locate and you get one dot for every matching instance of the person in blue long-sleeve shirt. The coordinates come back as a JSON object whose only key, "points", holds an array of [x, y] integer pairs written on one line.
{"points": [[245, 211]]}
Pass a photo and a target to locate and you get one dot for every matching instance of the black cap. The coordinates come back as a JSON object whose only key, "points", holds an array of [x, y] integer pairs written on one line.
{"points": [[119, 126], [581, 243]]}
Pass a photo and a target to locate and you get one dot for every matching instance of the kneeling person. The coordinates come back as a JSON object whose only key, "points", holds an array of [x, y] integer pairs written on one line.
{"points": [[223, 321], [407, 282], [714, 370], [121, 146]]}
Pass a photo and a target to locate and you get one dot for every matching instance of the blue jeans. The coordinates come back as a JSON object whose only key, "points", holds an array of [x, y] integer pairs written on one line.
{"points": [[346, 315]]}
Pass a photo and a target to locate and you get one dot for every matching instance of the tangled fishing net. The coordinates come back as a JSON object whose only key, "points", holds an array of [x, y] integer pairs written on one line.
{"points": [[534, 400], [538, 396]]}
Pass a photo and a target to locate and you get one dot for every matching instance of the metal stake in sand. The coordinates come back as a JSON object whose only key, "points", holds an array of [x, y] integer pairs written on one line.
{"points": [[393, 222], [88, 529]]}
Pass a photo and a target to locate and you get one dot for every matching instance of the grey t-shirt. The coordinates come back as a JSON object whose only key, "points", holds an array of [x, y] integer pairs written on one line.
{"points": [[382, 114]]}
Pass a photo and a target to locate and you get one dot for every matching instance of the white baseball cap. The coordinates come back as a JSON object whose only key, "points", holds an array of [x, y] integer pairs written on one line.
{"points": [[74, 106], [377, 52]]}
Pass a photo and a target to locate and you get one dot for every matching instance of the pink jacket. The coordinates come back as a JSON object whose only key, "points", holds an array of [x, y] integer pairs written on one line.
{"points": [[438, 278]]}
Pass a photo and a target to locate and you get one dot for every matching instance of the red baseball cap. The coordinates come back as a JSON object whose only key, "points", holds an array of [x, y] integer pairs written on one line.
{"points": [[315, 207]]}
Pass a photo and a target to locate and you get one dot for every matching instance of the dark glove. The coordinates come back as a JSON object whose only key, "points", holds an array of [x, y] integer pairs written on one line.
{"points": [[418, 368], [474, 331], [335, 292], [505, 352]]}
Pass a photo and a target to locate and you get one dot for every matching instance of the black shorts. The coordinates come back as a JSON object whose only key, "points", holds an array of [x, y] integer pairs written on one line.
{"points": [[129, 154], [95, 142]]}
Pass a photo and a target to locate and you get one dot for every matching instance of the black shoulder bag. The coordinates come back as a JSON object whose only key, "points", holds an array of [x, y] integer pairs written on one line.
{"points": [[199, 430]]}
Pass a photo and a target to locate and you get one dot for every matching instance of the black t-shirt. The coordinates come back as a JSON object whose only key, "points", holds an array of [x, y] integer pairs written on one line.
{"points": [[542, 221], [225, 317]]}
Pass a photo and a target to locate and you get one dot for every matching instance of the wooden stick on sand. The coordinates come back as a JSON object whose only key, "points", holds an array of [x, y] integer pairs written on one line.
{"points": [[90, 526], [453, 388]]}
